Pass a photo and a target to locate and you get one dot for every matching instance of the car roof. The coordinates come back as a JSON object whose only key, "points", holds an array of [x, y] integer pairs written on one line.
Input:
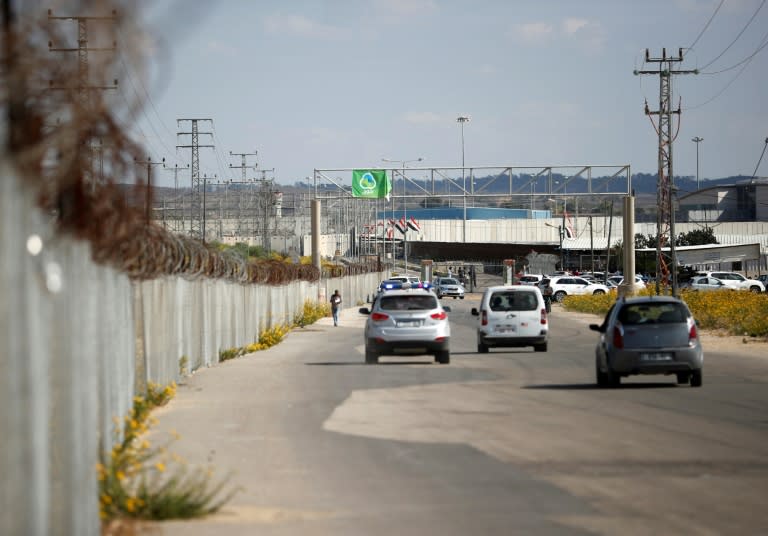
{"points": [[515, 288], [411, 292], [652, 299]]}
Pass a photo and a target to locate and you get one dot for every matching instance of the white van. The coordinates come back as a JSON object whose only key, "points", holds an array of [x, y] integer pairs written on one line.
{"points": [[512, 316]]}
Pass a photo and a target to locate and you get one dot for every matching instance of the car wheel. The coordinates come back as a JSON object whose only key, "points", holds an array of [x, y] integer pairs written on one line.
{"points": [[371, 358], [598, 292], [540, 347], [683, 378], [482, 348], [443, 357], [696, 378], [754, 290], [559, 296], [602, 379], [612, 379], [461, 297]]}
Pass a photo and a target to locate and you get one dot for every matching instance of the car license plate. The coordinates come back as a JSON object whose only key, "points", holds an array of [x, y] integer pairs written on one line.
{"points": [[656, 356], [506, 329], [408, 323]]}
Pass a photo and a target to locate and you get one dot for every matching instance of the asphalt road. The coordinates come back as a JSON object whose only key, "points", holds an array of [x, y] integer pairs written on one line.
{"points": [[510, 442]]}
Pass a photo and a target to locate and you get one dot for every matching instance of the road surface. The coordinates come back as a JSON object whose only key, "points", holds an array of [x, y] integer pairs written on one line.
{"points": [[510, 442]]}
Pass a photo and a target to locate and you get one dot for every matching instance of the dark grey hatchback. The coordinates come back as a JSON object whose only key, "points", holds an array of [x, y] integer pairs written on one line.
{"points": [[648, 335]]}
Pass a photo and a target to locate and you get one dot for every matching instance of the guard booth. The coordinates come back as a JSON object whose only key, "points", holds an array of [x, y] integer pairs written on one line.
{"points": [[509, 272], [426, 270]]}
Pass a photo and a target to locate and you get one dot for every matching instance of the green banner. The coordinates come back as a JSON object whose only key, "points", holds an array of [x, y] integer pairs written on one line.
{"points": [[371, 183]]}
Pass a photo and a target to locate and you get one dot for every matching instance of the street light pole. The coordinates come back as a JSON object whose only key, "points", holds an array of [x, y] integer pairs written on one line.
{"points": [[405, 211], [461, 120], [697, 140]]}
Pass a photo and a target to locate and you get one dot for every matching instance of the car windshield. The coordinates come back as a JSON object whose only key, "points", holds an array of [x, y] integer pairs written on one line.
{"points": [[448, 281], [409, 302], [652, 313], [513, 301]]}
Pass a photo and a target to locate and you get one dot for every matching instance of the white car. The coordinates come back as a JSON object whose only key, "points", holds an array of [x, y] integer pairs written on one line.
{"points": [[530, 279], [619, 279], [563, 286], [702, 282], [736, 281], [512, 316]]}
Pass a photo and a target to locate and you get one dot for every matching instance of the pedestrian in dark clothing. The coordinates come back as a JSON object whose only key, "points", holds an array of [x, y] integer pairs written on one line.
{"points": [[335, 307]]}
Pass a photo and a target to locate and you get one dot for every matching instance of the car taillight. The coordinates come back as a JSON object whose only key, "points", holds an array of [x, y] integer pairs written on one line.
{"points": [[618, 338], [376, 317], [543, 317], [484, 318], [693, 334], [439, 316]]}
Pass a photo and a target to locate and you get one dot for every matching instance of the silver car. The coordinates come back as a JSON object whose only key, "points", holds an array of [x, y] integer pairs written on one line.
{"points": [[407, 322], [449, 286], [648, 335]]}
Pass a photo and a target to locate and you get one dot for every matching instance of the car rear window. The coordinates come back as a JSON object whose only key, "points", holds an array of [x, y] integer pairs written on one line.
{"points": [[448, 281], [652, 313], [513, 301], [415, 302]]}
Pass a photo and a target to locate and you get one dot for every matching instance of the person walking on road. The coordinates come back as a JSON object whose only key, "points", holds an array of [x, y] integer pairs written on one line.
{"points": [[335, 306]]}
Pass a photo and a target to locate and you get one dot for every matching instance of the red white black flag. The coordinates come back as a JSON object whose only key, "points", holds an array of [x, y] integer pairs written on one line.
{"points": [[413, 224], [401, 226]]}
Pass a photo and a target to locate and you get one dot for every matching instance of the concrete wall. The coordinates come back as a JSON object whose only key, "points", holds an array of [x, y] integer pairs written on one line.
{"points": [[78, 340]]}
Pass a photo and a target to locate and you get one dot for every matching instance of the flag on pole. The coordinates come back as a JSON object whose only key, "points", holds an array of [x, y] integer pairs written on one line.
{"points": [[401, 226], [413, 224], [371, 184]]}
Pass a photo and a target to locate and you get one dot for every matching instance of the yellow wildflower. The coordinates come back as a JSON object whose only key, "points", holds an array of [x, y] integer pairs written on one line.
{"points": [[120, 475], [106, 499], [160, 466]]}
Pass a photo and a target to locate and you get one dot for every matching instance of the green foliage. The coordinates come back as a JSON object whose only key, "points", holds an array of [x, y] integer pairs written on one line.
{"points": [[697, 237]]}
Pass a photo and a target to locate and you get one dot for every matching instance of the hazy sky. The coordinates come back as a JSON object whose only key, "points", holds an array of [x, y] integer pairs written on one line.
{"points": [[342, 84]]}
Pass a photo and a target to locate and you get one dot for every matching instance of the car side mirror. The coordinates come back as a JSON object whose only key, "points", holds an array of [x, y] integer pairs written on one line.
{"points": [[596, 327], [475, 312], [364, 311], [447, 308]]}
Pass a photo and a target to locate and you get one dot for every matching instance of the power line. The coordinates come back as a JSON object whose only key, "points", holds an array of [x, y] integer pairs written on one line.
{"points": [[706, 25], [738, 36], [761, 46], [754, 174]]}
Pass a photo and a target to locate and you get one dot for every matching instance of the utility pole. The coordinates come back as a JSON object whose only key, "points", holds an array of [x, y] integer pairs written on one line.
{"points": [[177, 198], [665, 219], [697, 140], [84, 88], [148, 194], [196, 223]]}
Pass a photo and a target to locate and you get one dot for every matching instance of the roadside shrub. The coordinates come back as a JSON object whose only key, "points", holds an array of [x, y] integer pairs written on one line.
{"points": [[734, 312], [139, 481]]}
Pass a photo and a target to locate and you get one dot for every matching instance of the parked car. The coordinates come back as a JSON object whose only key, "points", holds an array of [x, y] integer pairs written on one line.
{"points": [[763, 278], [530, 279], [619, 279], [648, 335], [449, 286], [408, 321], [569, 285], [512, 316], [702, 282], [736, 281]]}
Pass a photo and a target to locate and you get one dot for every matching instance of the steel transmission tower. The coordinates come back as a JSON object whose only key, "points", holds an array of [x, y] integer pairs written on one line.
{"points": [[243, 167], [665, 219], [196, 217]]}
